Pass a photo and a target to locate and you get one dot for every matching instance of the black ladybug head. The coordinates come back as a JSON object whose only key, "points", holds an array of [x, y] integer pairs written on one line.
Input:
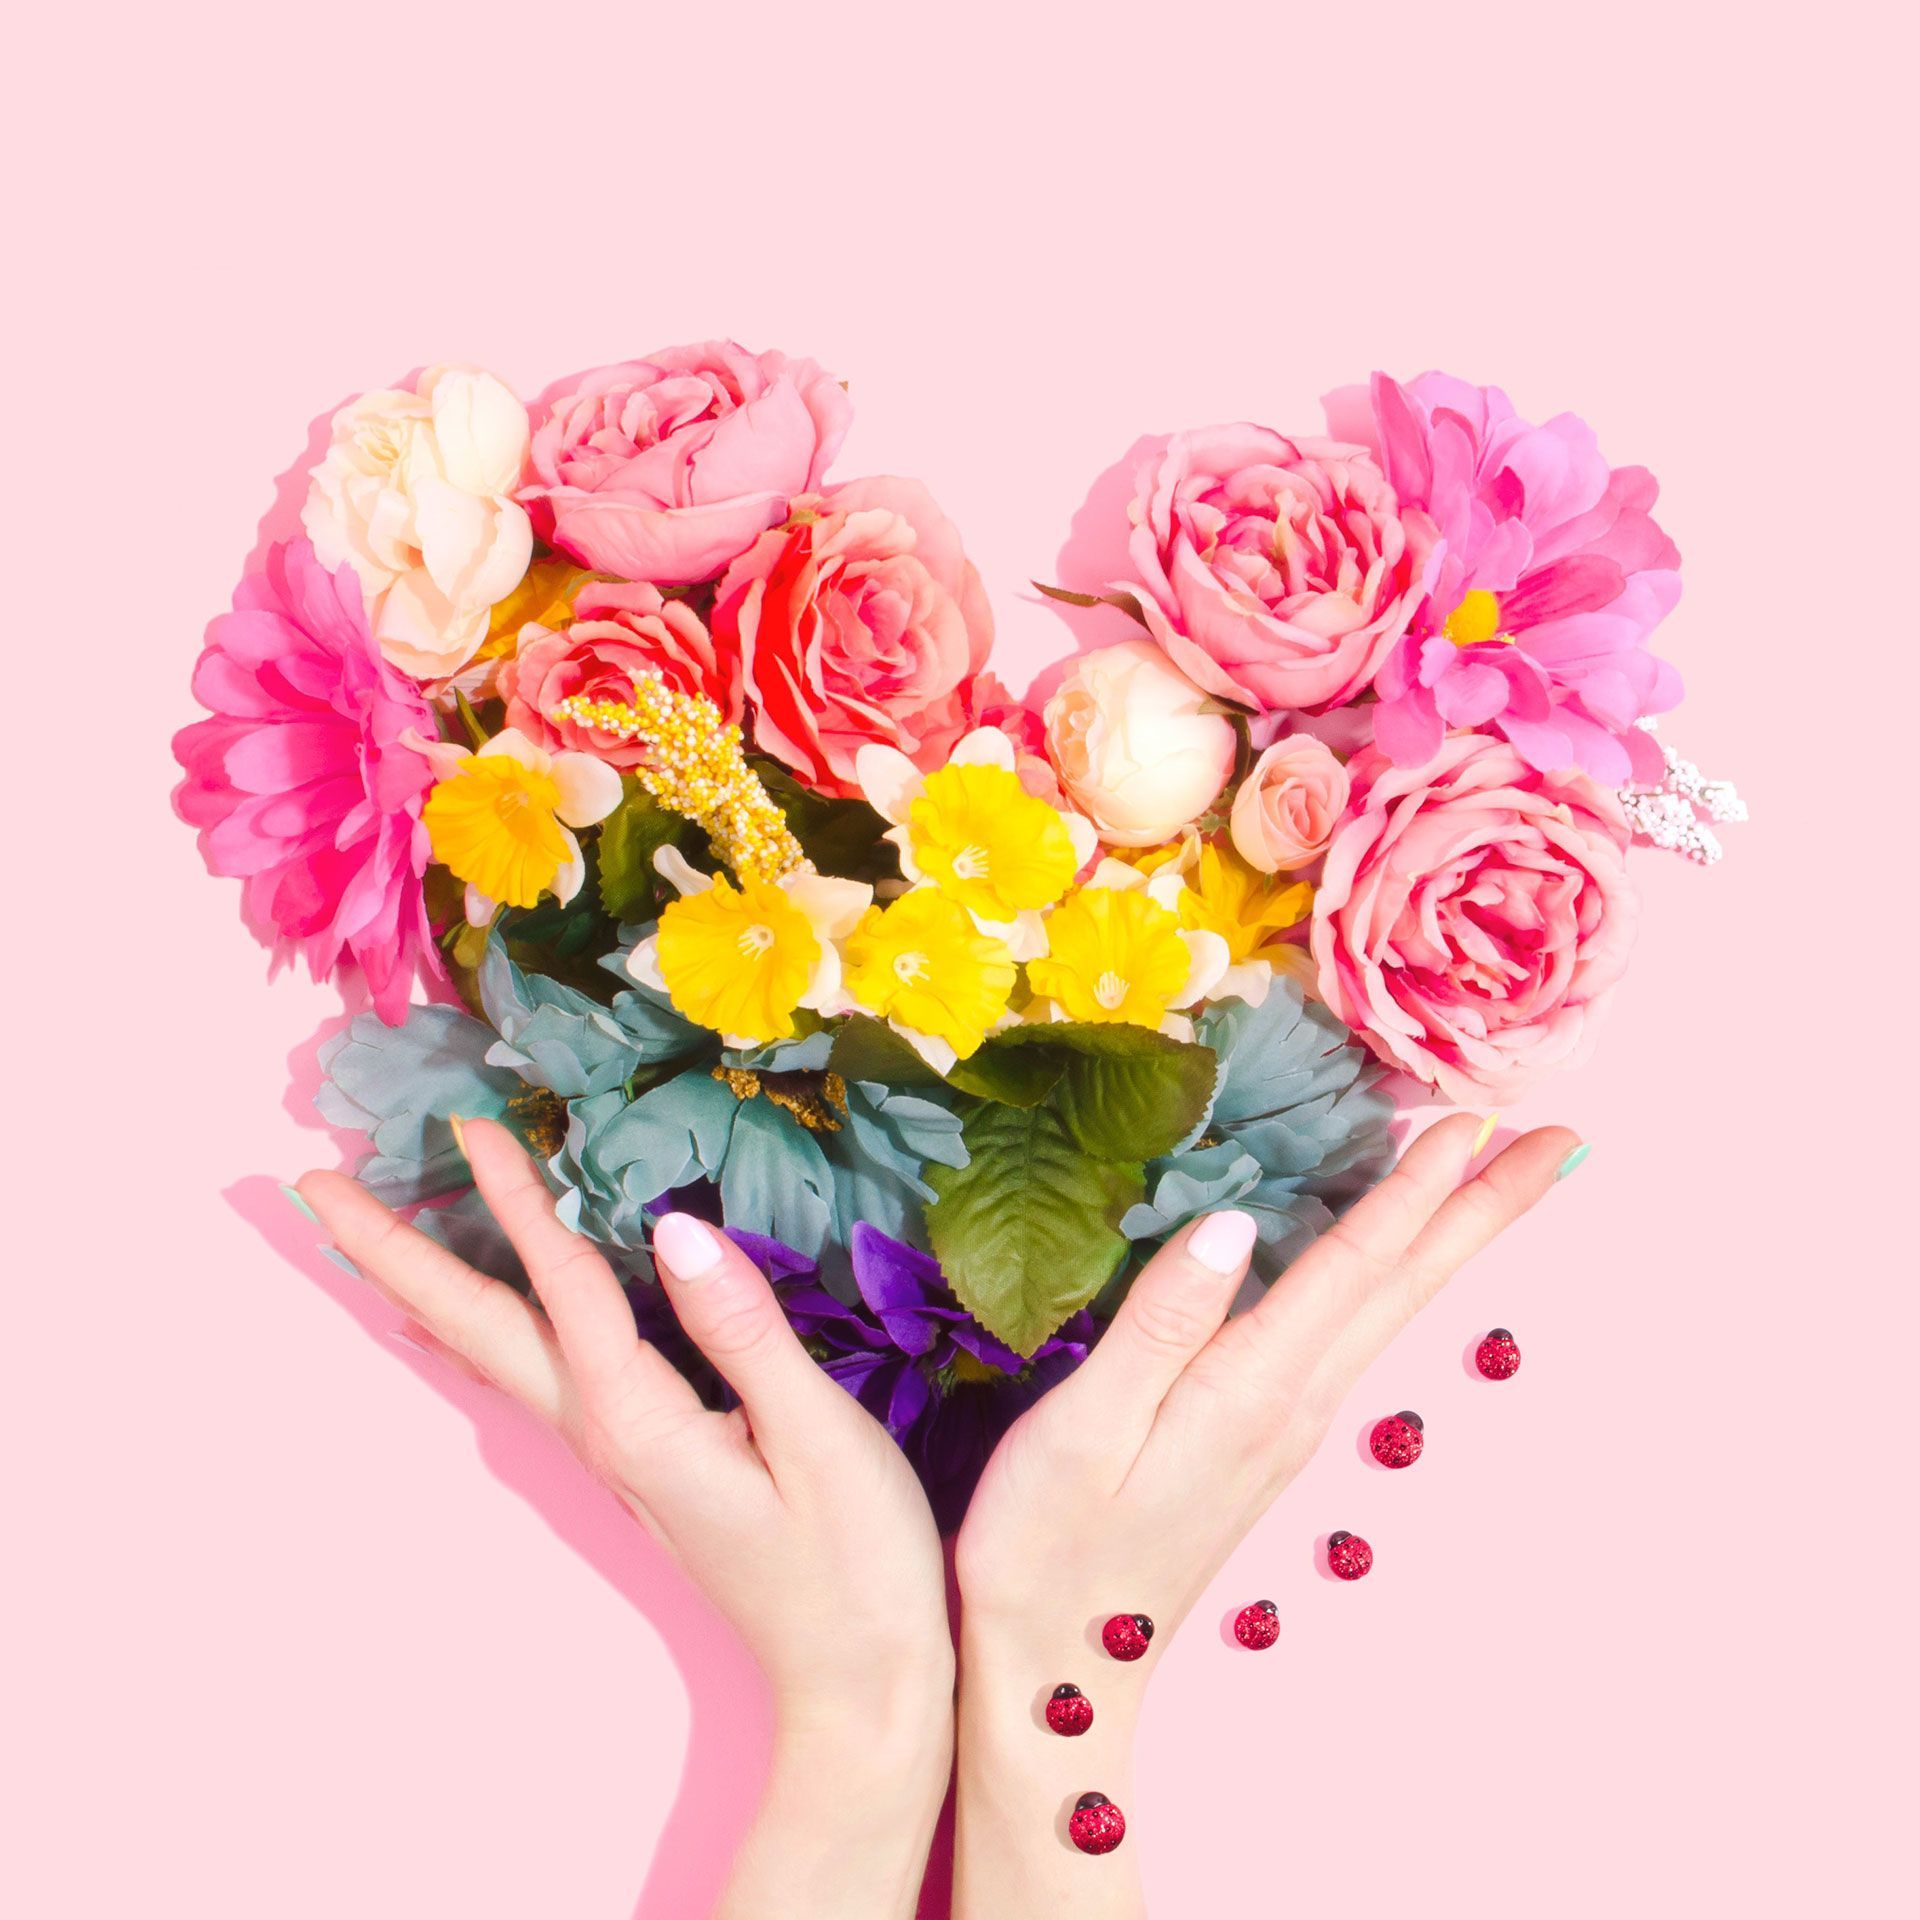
{"points": [[1413, 1420], [1499, 1333], [1338, 1539], [1266, 1606], [1145, 1625], [1066, 1691], [1087, 1800]]}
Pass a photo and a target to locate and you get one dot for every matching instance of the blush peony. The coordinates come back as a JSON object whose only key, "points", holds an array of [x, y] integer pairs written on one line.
{"points": [[667, 468], [415, 494], [1473, 916], [860, 622], [1279, 573], [620, 629]]}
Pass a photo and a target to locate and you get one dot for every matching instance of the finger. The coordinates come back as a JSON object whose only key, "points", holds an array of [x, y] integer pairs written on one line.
{"points": [[1174, 1307], [483, 1321], [729, 1311], [1283, 1340], [623, 1383], [1510, 1185]]}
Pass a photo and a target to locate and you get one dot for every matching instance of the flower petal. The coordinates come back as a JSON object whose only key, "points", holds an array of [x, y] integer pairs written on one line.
{"points": [[1210, 960], [888, 779], [589, 788]]}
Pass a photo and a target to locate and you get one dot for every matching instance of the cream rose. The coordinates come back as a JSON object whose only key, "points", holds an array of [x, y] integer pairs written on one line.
{"points": [[415, 494], [1139, 748], [1288, 806]]}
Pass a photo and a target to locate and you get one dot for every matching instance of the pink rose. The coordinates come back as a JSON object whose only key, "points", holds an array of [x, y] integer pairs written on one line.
{"points": [[1278, 573], [619, 629], [860, 621], [1288, 805], [1473, 915], [664, 469]]}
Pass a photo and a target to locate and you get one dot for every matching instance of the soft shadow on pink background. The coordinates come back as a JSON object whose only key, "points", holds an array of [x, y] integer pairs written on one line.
{"points": [[302, 1624]]}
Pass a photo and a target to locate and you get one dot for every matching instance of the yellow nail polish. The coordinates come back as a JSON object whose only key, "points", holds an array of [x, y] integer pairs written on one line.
{"points": [[459, 1127], [1485, 1134]]}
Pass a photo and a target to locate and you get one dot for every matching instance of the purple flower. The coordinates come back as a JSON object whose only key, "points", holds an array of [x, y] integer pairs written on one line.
{"points": [[907, 1350]]}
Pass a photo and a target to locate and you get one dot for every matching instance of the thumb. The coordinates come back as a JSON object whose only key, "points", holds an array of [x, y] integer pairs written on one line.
{"points": [[728, 1310]]}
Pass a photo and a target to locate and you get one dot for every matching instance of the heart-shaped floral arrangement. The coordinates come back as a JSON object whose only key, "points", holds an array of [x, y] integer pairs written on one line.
{"points": [[759, 895]]}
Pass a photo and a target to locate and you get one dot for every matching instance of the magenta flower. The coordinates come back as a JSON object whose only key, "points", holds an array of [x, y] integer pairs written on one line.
{"points": [[299, 784], [1552, 577]]}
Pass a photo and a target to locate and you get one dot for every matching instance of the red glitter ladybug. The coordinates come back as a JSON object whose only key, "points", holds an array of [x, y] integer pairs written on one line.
{"points": [[1096, 1825], [1398, 1439], [1069, 1711], [1348, 1556], [1125, 1636], [1498, 1357], [1257, 1627]]}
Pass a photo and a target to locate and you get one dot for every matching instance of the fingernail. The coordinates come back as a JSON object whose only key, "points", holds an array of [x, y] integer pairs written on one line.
{"points": [[688, 1248], [1572, 1160], [402, 1338], [459, 1127], [298, 1202], [341, 1261], [1222, 1240], [1485, 1134]]}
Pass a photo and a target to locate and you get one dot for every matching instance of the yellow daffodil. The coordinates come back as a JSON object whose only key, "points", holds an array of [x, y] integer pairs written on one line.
{"points": [[501, 819], [973, 830], [922, 964], [742, 959], [1114, 954], [1246, 908], [738, 960]]}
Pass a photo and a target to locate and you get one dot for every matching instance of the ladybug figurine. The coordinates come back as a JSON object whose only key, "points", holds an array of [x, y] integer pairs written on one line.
{"points": [[1397, 1440], [1069, 1711], [1096, 1825], [1257, 1627], [1497, 1356], [1125, 1636], [1348, 1556]]}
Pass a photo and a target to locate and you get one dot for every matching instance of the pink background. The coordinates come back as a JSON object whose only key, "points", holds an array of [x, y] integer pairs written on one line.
{"points": [[301, 1626]]}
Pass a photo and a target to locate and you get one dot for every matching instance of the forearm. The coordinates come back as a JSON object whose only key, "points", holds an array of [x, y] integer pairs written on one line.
{"points": [[852, 1796], [1018, 1782]]}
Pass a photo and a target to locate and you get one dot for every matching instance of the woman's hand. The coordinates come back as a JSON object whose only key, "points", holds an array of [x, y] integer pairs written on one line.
{"points": [[795, 1514], [1126, 1487]]}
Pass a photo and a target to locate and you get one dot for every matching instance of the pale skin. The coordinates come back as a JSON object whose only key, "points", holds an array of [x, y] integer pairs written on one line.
{"points": [[1124, 1489]]}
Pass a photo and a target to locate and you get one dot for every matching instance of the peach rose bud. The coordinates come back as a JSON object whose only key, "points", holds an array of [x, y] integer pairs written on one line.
{"points": [[1288, 805]]}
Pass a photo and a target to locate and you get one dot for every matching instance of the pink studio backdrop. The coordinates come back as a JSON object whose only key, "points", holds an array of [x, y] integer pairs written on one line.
{"points": [[300, 1626]]}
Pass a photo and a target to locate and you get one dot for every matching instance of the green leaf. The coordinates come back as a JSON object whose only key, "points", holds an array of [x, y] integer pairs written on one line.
{"points": [[1027, 1231], [1018, 1076], [839, 836], [1122, 1092], [629, 837], [866, 1049]]}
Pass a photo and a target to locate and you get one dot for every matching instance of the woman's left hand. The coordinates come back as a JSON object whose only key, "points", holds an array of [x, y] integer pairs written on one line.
{"points": [[795, 1513]]}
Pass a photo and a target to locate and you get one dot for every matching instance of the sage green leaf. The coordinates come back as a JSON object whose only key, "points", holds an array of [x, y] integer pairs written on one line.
{"points": [[867, 1049], [1027, 1232]]}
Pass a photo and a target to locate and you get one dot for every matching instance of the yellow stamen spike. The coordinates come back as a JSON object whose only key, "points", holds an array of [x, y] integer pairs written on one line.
{"points": [[697, 766]]}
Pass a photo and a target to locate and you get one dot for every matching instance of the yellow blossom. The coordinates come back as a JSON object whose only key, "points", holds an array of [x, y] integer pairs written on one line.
{"points": [[1113, 954], [1246, 908], [543, 598], [923, 963], [1476, 620], [986, 842], [738, 960], [495, 824]]}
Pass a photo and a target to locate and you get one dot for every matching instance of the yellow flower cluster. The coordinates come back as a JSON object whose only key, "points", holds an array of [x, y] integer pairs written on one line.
{"points": [[697, 767]]}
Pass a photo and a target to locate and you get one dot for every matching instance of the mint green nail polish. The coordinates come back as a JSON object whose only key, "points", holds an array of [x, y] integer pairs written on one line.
{"points": [[1572, 1160], [341, 1261], [297, 1200]]}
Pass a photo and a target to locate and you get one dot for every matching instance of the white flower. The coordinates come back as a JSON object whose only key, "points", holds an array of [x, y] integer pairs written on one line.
{"points": [[1137, 745], [415, 493]]}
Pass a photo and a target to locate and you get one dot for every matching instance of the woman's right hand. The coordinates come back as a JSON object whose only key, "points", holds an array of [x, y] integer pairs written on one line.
{"points": [[1126, 1487]]}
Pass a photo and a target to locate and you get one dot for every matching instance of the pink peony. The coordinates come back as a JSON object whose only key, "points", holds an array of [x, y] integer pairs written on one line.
{"points": [[1554, 575], [860, 621], [1279, 573], [665, 469], [299, 784], [620, 629], [1473, 915]]}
